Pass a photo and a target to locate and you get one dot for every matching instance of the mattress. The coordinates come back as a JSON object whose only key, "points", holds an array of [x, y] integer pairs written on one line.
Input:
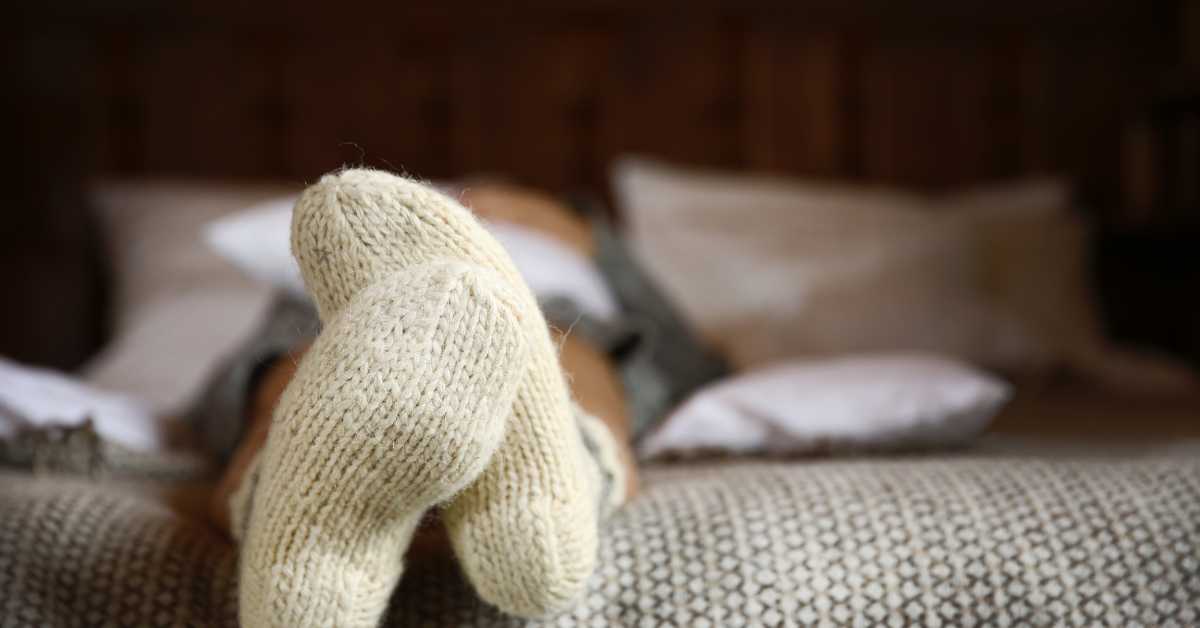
{"points": [[947, 540]]}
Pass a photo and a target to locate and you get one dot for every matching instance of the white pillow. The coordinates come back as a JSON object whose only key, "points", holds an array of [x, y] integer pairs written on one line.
{"points": [[854, 403], [553, 269], [34, 398], [770, 269], [256, 240]]}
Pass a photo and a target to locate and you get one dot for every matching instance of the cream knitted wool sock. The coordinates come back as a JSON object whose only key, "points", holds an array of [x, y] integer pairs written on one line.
{"points": [[398, 405], [525, 532]]}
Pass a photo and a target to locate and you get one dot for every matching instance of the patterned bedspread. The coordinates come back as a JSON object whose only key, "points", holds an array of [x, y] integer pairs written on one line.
{"points": [[933, 542]]}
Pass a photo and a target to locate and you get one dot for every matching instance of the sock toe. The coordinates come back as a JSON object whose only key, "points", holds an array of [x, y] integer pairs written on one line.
{"points": [[356, 225]]}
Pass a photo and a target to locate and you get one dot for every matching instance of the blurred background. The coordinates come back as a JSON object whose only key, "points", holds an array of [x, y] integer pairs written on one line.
{"points": [[814, 229], [927, 96]]}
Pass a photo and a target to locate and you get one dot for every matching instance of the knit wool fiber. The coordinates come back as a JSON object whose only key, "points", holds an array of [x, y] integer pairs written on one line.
{"points": [[399, 405], [435, 381]]}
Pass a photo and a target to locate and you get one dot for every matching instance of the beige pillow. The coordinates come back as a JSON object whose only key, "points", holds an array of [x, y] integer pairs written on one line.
{"points": [[1034, 261], [770, 268], [1032, 251], [178, 308]]}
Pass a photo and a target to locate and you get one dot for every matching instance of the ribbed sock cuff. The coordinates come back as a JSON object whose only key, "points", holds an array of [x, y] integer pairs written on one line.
{"points": [[606, 469]]}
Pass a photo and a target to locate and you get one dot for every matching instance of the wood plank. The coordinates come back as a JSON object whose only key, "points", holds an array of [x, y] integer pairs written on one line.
{"points": [[1080, 92], [383, 15], [796, 107], [205, 95], [673, 90], [378, 101], [118, 115], [529, 105], [933, 112]]}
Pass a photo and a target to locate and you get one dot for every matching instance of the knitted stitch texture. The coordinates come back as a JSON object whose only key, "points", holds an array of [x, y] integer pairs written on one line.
{"points": [[525, 532], [400, 404]]}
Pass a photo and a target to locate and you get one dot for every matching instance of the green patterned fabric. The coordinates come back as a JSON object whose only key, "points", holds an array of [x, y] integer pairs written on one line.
{"points": [[670, 361], [928, 542], [661, 360]]}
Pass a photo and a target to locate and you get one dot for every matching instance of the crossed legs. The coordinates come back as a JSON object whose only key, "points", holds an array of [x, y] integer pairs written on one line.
{"points": [[435, 383]]}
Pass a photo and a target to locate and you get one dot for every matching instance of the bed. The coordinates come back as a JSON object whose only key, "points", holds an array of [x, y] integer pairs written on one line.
{"points": [[954, 540], [1079, 507]]}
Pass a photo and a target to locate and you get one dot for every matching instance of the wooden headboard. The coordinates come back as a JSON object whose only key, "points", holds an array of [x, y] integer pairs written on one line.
{"points": [[931, 94]]}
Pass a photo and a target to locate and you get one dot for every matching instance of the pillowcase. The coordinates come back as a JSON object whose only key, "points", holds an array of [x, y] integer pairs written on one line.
{"points": [[256, 240], [769, 268], [33, 398], [1035, 259], [1032, 257], [877, 402], [179, 307]]}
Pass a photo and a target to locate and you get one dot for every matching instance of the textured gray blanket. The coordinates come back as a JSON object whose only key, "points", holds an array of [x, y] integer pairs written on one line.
{"points": [[930, 542]]}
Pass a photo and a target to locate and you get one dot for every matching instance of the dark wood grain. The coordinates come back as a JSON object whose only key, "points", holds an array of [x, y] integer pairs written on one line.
{"points": [[931, 94], [936, 95], [797, 113]]}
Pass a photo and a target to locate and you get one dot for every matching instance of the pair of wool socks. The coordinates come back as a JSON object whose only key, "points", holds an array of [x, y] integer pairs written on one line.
{"points": [[434, 382]]}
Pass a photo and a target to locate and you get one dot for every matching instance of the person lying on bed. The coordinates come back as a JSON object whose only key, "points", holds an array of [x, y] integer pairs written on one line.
{"points": [[435, 382]]}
